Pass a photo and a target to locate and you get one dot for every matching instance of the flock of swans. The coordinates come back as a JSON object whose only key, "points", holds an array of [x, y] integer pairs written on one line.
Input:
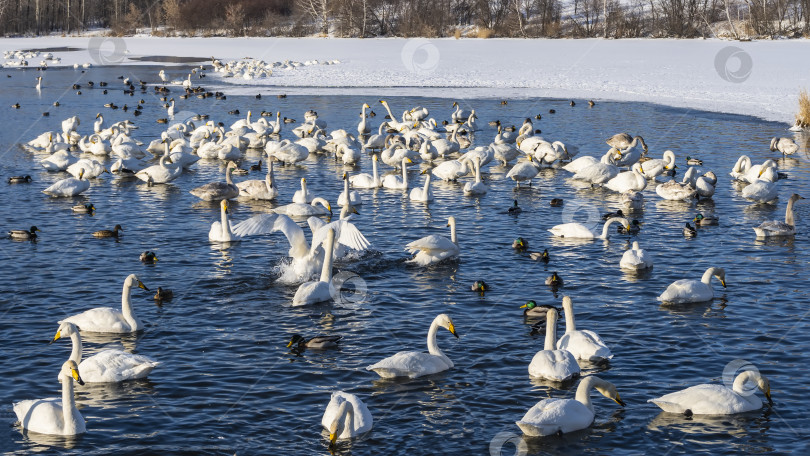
{"points": [[401, 142]]}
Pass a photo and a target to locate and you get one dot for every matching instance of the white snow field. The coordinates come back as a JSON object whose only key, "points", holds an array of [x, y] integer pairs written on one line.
{"points": [[757, 78]]}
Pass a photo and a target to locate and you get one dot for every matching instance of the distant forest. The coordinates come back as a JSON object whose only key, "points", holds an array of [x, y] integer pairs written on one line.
{"points": [[411, 18]]}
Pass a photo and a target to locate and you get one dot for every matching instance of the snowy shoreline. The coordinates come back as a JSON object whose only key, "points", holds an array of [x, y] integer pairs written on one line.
{"points": [[757, 78]]}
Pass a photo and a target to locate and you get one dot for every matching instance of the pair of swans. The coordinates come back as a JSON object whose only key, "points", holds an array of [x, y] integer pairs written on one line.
{"points": [[595, 172], [70, 186], [109, 320], [763, 188], [552, 363], [417, 364], [346, 416], [579, 231], [685, 291], [218, 190], [434, 248], [708, 399], [775, 228]]}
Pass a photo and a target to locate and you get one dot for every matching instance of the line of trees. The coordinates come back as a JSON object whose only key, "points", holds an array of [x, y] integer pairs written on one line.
{"points": [[428, 18]]}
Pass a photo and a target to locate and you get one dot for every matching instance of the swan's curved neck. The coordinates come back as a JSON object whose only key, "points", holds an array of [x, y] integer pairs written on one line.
{"points": [[228, 175], [226, 225], [68, 406], [345, 417], [269, 178], [390, 114], [606, 228], [404, 173], [126, 306], [426, 188], [789, 213], [740, 381], [433, 348], [584, 390], [326, 272], [76, 351], [707, 276], [551, 331]]}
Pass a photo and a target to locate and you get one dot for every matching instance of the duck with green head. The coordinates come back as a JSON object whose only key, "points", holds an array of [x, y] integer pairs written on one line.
{"points": [[520, 244]]}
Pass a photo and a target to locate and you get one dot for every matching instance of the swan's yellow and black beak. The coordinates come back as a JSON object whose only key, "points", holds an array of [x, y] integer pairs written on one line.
{"points": [[768, 395], [141, 285], [329, 208], [354, 210], [452, 329], [75, 372], [425, 171], [619, 400], [723, 282], [345, 175], [56, 337]]}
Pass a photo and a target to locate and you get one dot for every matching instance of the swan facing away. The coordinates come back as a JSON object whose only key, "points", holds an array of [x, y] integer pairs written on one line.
{"points": [[775, 228], [416, 364], [106, 366], [690, 290], [583, 344], [321, 290], [552, 364], [109, 320], [555, 416], [345, 417], [708, 399], [579, 231], [636, 259], [434, 248], [54, 416]]}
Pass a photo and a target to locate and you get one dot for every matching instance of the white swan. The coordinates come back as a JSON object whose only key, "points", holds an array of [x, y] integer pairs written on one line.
{"points": [[451, 170], [416, 364], [676, 191], [555, 416], [583, 344], [784, 145], [708, 399], [161, 173], [601, 172], [756, 172], [395, 182], [58, 161], [579, 231], [477, 187], [303, 195], [632, 200], [345, 417], [550, 363], [109, 320], [218, 190], [321, 290], [632, 180], [764, 189], [106, 366], [655, 167], [365, 180], [636, 259], [741, 167], [363, 126], [305, 210], [256, 189], [353, 197], [423, 194], [690, 290], [70, 186], [54, 416], [286, 151], [459, 115], [580, 163], [434, 248], [524, 171], [775, 228], [92, 168]]}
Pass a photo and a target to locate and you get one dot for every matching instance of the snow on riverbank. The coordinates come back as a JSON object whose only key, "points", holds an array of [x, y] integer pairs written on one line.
{"points": [[759, 78]]}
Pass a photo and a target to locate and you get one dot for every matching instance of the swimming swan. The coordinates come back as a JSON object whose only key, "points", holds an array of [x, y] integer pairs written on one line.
{"points": [[345, 417], [775, 228], [434, 248], [54, 416], [550, 363], [416, 364], [579, 231], [708, 399], [109, 320], [583, 344], [691, 290]]}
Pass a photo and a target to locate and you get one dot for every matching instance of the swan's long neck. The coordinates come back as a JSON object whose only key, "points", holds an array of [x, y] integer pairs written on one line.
{"points": [[453, 233], [269, 178], [390, 114], [584, 390], [345, 418], [789, 213], [707, 276], [374, 174], [606, 228], [68, 405], [426, 188], [477, 172], [641, 181], [346, 190], [568, 308], [76, 351], [126, 306], [433, 348], [228, 175], [404, 173], [326, 272], [226, 225], [740, 381], [551, 331]]}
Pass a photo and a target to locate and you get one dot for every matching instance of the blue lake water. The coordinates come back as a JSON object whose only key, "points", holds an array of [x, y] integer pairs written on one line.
{"points": [[228, 384]]}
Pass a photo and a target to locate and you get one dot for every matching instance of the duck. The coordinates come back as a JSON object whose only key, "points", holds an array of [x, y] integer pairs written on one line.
{"points": [[434, 248], [561, 416], [417, 364], [148, 257], [686, 291], [20, 179], [610, 215], [554, 280], [710, 399], [693, 161], [83, 209], [556, 202], [520, 244], [54, 416], [706, 220], [635, 228], [480, 286], [551, 363], [109, 320], [636, 259], [30, 234], [583, 344], [300, 344], [775, 228], [218, 190], [540, 256], [514, 209], [107, 366], [115, 232], [70, 186], [689, 230], [534, 310], [163, 294], [579, 231], [345, 417]]}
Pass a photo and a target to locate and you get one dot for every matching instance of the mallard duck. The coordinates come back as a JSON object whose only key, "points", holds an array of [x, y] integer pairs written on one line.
{"points": [[19, 179], [556, 202], [535, 310], [634, 228], [540, 256], [689, 230], [705, 220], [480, 286], [163, 294], [23, 234], [693, 161], [515, 209], [591, 103], [148, 257], [299, 343], [520, 244], [84, 208], [256, 167], [572, 103], [554, 280], [618, 213], [108, 233]]}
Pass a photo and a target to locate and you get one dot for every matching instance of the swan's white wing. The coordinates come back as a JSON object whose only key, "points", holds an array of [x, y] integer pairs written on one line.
{"points": [[346, 233], [113, 365], [315, 224], [585, 345], [687, 290], [258, 224], [431, 243], [550, 416], [556, 365], [409, 364]]}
